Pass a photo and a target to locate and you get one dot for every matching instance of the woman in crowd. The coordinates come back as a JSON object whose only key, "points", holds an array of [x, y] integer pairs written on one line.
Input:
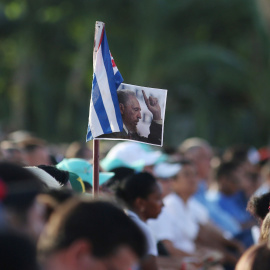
{"points": [[142, 196]]}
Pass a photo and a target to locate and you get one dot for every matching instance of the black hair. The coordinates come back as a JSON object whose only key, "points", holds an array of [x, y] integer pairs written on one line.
{"points": [[226, 169], [258, 205], [121, 173], [17, 252], [139, 185], [61, 195], [61, 176], [22, 188], [103, 224], [238, 153]]}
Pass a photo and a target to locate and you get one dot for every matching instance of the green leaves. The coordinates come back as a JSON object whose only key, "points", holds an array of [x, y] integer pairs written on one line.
{"points": [[212, 56]]}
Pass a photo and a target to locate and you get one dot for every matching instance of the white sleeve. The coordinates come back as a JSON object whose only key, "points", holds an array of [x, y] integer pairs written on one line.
{"points": [[200, 212], [161, 227]]}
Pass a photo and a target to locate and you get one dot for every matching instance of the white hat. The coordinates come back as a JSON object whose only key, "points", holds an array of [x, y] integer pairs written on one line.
{"points": [[130, 153], [166, 170], [44, 177]]}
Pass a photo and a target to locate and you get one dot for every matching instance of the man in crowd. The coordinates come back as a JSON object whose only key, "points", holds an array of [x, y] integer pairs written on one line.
{"points": [[183, 224], [131, 114], [90, 235], [200, 153]]}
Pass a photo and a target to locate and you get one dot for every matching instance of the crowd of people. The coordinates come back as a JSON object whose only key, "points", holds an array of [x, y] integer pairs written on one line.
{"points": [[193, 207]]}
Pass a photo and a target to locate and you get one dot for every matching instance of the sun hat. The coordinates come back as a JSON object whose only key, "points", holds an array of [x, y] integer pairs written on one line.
{"points": [[61, 176], [131, 155], [109, 164], [83, 169], [166, 170], [44, 177]]}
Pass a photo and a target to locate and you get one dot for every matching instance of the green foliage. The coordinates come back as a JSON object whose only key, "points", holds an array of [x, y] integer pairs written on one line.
{"points": [[212, 56]]}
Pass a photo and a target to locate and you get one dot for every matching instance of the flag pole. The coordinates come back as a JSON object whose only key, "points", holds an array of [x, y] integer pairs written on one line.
{"points": [[98, 31]]}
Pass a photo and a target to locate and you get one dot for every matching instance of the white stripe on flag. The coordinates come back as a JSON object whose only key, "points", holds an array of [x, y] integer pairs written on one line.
{"points": [[102, 80], [94, 124]]}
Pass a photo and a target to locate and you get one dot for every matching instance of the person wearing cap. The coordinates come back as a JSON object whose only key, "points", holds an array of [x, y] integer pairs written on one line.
{"points": [[165, 173], [184, 222], [84, 170], [22, 212], [131, 155], [131, 114], [65, 179]]}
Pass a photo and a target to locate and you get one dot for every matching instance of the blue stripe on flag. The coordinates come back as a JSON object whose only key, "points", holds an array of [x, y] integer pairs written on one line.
{"points": [[89, 135], [111, 80], [100, 109]]}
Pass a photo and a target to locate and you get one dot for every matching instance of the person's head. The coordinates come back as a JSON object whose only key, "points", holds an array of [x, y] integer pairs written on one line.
{"points": [[185, 183], [79, 150], [45, 177], [90, 235], [52, 198], [265, 229], [61, 176], [131, 155], [11, 152], [130, 109], [258, 206], [83, 169], [121, 173], [35, 152], [228, 177], [24, 213], [265, 172], [141, 193], [166, 173], [200, 153], [17, 252], [256, 257]]}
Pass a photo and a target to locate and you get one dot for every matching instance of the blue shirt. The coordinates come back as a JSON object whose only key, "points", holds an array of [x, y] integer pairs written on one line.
{"points": [[218, 216], [235, 205]]}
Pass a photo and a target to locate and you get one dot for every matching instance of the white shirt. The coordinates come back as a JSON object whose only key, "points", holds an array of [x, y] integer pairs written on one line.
{"points": [[151, 243], [179, 222]]}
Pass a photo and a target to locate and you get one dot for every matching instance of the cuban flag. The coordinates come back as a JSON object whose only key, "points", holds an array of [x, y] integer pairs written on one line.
{"points": [[104, 114]]}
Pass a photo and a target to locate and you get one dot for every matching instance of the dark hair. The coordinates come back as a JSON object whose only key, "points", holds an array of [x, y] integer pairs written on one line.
{"points": [[62, 177], [53, 198], [22, 188], [256, 257], [258, 205], [226, 169], [61, 195], [101, 223], [121, 173], [17, 252], [138, 185], [238, 153]]}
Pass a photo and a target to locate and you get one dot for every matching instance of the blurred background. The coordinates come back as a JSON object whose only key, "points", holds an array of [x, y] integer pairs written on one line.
{"points": [[213, 56]]}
